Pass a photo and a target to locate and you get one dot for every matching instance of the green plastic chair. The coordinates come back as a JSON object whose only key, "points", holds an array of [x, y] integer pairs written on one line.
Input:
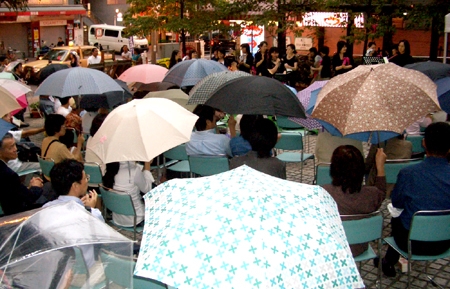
{"points": [[95, 173], [80, 267], [416, 141], [427, 226], [27, 172], [208, 165], [393, 167], [288, 125], [293, 141], [366, 228], [46, 165], [179, 159], [323, 174], [120, 203]]}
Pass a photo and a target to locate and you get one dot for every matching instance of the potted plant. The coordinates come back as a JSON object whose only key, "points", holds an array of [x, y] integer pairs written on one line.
{"points": [[34, 110]]}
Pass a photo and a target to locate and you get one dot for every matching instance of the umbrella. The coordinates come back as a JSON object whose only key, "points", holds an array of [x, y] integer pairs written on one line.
{"points": [[5, 127], [176, 95], [155, 86], [8, 102], [18, 89], [190, 72], [304, 96], [77, 81], [443, 92], [375, 98], [111, 99], [6, 75], [202, 90], [244, 229], [141, 130], [434, 70], [38, 247], [144, 73], [256, 95], [50, 69]]}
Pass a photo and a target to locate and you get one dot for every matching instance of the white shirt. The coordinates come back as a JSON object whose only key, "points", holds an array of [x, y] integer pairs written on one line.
{"points": [[15, 164], [132, 180], [86, 121], [63, 111], [94, 60], [126, 55], [414, 129]]}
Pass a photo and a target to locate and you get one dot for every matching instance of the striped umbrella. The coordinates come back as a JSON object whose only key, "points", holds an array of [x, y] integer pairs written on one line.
{"points": [[190, 72], [202, 90]]}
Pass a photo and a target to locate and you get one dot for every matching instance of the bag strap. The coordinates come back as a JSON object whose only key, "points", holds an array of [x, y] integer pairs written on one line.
{"points": [[45, 154]]}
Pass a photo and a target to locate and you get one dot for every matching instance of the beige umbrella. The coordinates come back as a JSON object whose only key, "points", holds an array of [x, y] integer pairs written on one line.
{"points": [[382, 98], [176, 95], [141, 130], [8, 102]]}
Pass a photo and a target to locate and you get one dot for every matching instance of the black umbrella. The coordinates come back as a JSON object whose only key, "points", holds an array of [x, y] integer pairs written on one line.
{"points": [[92, 102], [256, 95], [50, 69], [154, 86], [434, 70]]}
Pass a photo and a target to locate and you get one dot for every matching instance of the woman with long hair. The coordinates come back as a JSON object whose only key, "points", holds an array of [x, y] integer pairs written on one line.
{"points": [[174, 58], [290, 63], [274, 63], [404, 54], [261, 59], [342, 62], [246, 59]]}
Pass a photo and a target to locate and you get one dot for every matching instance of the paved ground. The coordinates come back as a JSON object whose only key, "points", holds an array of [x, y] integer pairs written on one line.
{"points": [[440, 269]]}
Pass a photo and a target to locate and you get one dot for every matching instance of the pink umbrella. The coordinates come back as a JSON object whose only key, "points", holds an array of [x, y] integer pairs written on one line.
{"points": [[144, 73], [18, 90]]}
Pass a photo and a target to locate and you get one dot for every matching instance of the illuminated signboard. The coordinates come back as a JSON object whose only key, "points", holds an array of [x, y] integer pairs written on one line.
{"points": [[330, 19], [252, 35]]}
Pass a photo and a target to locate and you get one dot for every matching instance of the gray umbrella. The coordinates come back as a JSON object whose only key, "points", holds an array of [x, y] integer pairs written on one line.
{"points": [[77, 81], [256, 95], [434, 70], [190, 72], [202, 90]]}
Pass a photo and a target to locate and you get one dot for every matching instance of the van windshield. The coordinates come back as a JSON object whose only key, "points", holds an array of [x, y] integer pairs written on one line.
{"points": [[59, 55]]}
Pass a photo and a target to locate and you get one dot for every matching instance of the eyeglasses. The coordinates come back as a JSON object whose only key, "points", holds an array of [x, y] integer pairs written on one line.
{"points": [[88, 177]]}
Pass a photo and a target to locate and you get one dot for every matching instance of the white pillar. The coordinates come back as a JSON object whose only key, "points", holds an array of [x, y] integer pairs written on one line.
{"points": [[446, 32]]}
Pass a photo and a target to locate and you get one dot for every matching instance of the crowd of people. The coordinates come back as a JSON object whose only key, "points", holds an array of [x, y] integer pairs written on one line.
{"points": [[251, 140]]}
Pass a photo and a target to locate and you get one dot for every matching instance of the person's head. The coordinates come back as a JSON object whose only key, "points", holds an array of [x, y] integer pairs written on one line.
{"points": [[18, 68], [313, 52], [394, 49], [54, 124], [247, 123], [59, 39], [274, 52], [404, 48], [111, 171], [264, 137], [94, 52], [3, 60], [221, 53], [437, 139], [231, 63], [193, 54], [372, 45], [65, 101], [290, 49], [245, 47], [125, 48], [8, 149], [342, 46], [324, 51], [263, 46], [97, 122], [205, 119], [68, 178], [347, 168]]}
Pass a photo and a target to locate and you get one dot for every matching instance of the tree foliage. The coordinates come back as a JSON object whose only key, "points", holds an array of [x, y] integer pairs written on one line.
{"points": [[14, 4]]}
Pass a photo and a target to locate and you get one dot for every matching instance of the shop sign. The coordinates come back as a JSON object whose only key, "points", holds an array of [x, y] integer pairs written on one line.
{"points": [[53, 23], [303, 43], [330, 19]]}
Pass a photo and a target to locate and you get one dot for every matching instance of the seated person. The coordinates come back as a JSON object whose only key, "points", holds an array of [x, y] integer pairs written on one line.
{"points": [[240, 145], [204, 140], [132, 179], [347, 173], [70, 183], [64, 109], [394, 148], [424, 186], [15, 197], [423, 122], [91, 156], [262, 140], [327, 143], [52, 147]]}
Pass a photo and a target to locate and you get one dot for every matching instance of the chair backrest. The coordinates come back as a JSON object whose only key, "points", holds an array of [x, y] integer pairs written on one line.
{"points": [[416, 141], [46, 165], [323, 174], [118, 269], [393, 167], [366, 228], [430, 226], [177, 153], [95, 173], [144, 283], [284, 123], [117, 202], [290, 141], [208, 165]]}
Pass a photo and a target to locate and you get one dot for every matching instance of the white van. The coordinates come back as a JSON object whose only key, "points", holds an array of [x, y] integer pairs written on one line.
{"points": [[110, 35]]}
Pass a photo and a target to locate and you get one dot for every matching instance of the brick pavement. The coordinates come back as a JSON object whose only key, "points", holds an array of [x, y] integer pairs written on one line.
{"points": [[440, 268]]}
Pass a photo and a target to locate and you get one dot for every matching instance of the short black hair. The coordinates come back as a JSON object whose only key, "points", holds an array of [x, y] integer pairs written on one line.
{"points": [[93, 49], [371, 43], [247, 124], [437, 139], [64, 100], [273, 49], [6, 136], [53, 123], [264, 137], [347, 168], [204, 112], [292, 46], [229, 61], [313, 50], [325, 50], [64, 174], [246, 46]]}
